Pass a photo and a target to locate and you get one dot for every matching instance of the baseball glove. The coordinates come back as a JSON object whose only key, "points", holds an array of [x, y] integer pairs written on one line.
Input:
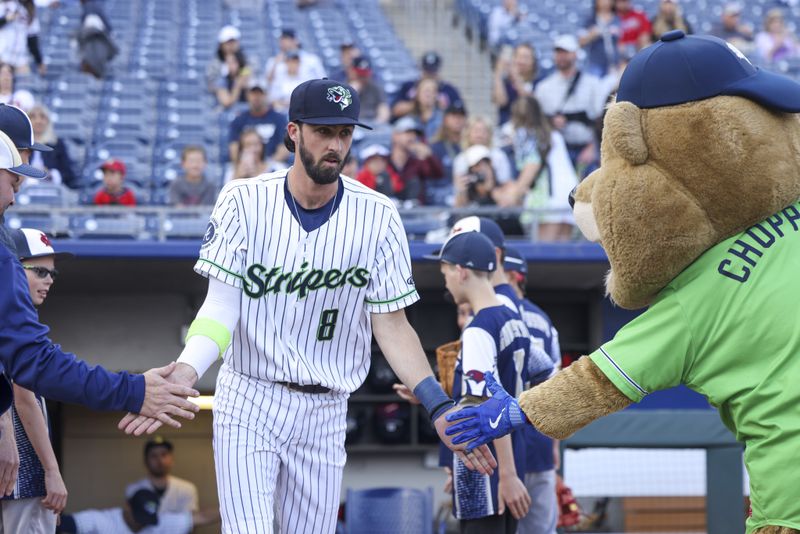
{"points": [[446, 356]]}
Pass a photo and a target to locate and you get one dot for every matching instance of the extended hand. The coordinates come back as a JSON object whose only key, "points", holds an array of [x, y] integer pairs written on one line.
{"points": [[492, 419], [56, 498], [478, 459], [165, 395], [9, 455]]}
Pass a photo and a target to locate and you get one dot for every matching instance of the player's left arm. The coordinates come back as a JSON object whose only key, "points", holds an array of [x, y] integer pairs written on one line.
{"points": [[401, 347], [208, 337]]}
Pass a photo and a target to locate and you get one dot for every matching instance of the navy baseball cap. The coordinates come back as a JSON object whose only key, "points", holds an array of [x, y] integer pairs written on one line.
{"points": [[515, 262], [472, 250], [431, 61], [487, 227], [682, 68], [156, 441], [325, 102], [144, 507], [11, 160], [15, 123]]}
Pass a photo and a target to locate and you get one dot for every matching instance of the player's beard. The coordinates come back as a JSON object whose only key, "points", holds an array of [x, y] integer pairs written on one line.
{"points": [[318, 171]]}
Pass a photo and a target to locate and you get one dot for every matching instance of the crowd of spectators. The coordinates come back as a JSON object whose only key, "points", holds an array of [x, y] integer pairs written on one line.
{"points": [[542, 139]]}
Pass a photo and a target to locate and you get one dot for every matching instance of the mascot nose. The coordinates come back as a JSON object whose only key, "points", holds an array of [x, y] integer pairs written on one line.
{"points": [[572, 197]]}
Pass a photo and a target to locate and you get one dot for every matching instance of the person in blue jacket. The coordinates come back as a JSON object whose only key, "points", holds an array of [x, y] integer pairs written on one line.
{"points": [[33, 361]]}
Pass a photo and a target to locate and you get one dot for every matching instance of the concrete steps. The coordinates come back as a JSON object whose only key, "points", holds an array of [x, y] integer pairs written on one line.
{"points": [[429, 25]]}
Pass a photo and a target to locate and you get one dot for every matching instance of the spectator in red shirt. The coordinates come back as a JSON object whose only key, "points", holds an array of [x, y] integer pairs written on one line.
{"points": [[411, 159], [114, 190], [636, 28], [375, 173]]}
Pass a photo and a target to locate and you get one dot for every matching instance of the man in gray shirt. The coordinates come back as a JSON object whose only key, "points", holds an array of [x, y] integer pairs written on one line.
{"points": [[572, 100]]}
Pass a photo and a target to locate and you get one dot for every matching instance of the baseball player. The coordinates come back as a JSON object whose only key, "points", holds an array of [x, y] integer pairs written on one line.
{"points": [[540, 450], [39, 493], [496, 341], [304, 265]]}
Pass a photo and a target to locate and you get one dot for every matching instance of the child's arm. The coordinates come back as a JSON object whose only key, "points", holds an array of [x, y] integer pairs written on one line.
{"points": [[511, 490], [30, 414]]}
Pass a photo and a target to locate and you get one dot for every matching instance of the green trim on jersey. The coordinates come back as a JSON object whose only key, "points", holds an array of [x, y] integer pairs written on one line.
{"points": [[221, 268], [620, 378], [401, 297]]}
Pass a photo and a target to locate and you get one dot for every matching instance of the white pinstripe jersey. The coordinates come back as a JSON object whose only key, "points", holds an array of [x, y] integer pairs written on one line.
{"points": [[306, 296]]}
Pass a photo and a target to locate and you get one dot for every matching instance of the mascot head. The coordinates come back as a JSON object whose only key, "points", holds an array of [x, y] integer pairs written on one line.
{"points": [[699, 145]]}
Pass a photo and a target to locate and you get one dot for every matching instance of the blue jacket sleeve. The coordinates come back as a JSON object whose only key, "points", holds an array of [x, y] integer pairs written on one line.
{"points": [[34, 362]]}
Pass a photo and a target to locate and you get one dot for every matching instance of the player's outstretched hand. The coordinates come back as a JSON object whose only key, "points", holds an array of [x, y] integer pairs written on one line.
{"points": [[492, 419], [9, 455], [165, 397], [479, 459]]}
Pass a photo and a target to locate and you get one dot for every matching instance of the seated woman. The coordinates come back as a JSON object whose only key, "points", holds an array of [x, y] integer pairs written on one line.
{"points": [[233, 80], [57, 163]]}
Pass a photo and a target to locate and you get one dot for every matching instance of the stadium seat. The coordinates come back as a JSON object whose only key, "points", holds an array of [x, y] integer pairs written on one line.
{"points": [[389, 511]]}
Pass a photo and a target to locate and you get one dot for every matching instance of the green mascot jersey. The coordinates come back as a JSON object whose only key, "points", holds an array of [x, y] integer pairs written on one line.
{"points": [[728, 327]]}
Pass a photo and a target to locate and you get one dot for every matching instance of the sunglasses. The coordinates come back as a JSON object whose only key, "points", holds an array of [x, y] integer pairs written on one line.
{"points": [[42, 272]]}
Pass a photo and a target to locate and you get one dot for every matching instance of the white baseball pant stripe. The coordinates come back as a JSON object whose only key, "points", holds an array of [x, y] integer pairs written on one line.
{"points": [[277, 447]]}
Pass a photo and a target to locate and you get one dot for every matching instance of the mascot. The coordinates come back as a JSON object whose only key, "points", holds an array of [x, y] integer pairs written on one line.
{"points": [[696, 205]]}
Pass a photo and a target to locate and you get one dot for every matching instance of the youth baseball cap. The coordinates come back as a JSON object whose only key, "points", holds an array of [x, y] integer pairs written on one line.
{"points": [[32, 243], [10, 160], [514, 262], [372, 151], [144, 507], [229, 33], [114, 165], [15, 124], [682, 68], [472, 250], [325, 102], [362, 65], [485, 226]]}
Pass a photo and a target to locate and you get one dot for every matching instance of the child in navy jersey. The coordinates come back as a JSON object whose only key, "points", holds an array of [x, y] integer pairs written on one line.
{"points": [[495, 340]]}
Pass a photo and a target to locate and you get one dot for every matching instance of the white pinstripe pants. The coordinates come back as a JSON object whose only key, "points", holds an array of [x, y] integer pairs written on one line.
{"points": [[275, 446]]}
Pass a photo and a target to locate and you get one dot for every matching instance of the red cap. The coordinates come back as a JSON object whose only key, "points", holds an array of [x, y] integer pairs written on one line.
{"points": [[114, 165]]}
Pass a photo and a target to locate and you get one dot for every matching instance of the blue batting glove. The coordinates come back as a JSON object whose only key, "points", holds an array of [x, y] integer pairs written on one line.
{"points": [[492, 419]]}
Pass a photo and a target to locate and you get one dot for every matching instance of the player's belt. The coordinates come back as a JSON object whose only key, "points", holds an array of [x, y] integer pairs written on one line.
{"points": [[309, 388]]}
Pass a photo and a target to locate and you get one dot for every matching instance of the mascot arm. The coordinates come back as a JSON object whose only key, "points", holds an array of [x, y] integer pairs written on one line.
{"points": [[572, 399]]}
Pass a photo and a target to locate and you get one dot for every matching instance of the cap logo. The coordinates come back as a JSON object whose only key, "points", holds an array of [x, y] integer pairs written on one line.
{"points": [[340, 95], [737, 52], [45, 240]]}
